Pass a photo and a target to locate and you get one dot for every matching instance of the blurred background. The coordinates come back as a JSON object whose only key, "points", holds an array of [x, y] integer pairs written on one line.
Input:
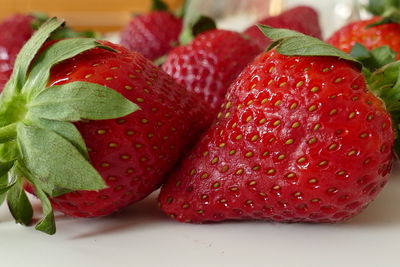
{"points": [[106, 16]]}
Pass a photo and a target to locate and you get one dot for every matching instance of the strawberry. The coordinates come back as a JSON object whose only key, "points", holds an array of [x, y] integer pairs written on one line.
{"points": [[303, 19], [381, 30], [15, 32], [371, 37], [300, 138], [153, 34], [210, 63], [110, 157]]}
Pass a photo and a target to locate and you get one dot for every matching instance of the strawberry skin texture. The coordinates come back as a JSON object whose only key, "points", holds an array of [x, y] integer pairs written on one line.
{"points": [[303, 19], [299, 139], [15, 32], [132, 153], [153, 35], [210, 63], [374, 37]]}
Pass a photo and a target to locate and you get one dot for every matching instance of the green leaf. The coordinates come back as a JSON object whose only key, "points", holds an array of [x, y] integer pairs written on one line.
{"points": [[193, 28], [66, 32], [9, 151], [58, 52], [203, 24], [47, 223], [374, 59], [292, 43], [385, 83], [159, 5], [380, 7], [80, 100], [64, 129], [55, 161], [8, 186], [19, 205], [3, 184], [27, 54], [5, 167], [8, 133]]}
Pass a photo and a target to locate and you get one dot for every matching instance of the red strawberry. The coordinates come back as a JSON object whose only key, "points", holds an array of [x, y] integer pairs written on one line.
{"points": [[210, 63], [132, 154], [303, 19], [371, 37], [300, 139], [15, 31], [154, 34]]}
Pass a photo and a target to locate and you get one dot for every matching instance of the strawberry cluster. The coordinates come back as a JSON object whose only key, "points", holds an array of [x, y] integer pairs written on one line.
{"points": [[271, 124]]}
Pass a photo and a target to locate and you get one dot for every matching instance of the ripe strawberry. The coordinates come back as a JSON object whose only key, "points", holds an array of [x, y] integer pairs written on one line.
{"points": [[303, 19], [210, 63], [154, 34], [131, 154], [15, 31], [299, 139], [370, 37]]}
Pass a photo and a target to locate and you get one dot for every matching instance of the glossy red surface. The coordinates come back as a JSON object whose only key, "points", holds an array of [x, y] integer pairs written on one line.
{"points": [[298, 139]]}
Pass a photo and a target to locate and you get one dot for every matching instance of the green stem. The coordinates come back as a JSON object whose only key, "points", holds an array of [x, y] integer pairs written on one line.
{"points": [[8, 133]]}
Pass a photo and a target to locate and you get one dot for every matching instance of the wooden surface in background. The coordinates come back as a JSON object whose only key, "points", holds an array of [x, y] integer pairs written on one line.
{"points": [[84, 14]]}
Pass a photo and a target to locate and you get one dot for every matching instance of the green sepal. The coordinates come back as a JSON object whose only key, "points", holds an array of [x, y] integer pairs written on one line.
{"points": [[389, 10], [61, 33], [192, 29], [64, 129], [5, 167], [381, 7], [56, 53], [292, 43], [47, 224], [159, 5], [18, 203], [9, 151], [80, 100], [373, 60], [8, 133], [26, 55], [3, 184], [55, 162], [385, 83]]}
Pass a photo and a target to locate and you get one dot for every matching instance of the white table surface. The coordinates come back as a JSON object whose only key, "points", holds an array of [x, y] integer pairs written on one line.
{"points": [[142, 236]]}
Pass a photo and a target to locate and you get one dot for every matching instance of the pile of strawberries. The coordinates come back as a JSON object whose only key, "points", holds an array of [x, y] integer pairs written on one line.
{"points": [[272, 123]]}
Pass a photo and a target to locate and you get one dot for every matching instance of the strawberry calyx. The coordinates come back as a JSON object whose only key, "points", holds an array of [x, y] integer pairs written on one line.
{"points": [[383, 7], [159, 5], [39, 143], [389, 10], [192, 28], [64, 32], [373, 59], [292, 43], [379, 66]]}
